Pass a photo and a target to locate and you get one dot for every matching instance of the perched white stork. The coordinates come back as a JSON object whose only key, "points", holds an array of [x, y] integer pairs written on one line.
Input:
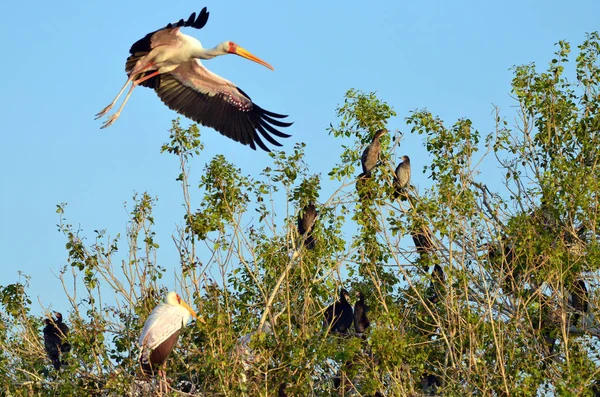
{"points": [[161, 331], [168, 61]]}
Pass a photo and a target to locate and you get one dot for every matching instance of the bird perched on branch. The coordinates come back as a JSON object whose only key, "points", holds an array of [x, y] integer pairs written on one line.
{"points": [[306, 221], [168, 61], [423, 242], [361, 321], [55, 335], [436, 286], [579, 299], [339, 315], [402, 178], [160, 333], [370, 155]]}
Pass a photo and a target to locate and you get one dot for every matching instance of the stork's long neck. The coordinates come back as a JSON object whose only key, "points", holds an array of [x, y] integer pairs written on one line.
{"points": [[209, 53]]}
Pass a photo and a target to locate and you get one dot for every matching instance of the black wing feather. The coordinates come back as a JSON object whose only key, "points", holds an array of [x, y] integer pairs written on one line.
{"points": [[244, 126], [276, 115], [276, 122], [143, 44], [142, 47], [266, 135], [272, 130]]}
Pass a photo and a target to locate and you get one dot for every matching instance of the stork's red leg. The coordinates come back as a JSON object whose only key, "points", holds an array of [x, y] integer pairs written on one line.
{"points": [[133, 85], [138, 81], [129, 80], [160, 381]]}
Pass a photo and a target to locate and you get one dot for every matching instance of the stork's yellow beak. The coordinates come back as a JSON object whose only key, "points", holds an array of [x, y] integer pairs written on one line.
{"points": [[246, 54], [189, 309]]}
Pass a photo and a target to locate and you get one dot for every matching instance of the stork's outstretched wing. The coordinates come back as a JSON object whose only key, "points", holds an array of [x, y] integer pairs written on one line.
{"points": [[144, 44], [166, 35], [215, 102]]}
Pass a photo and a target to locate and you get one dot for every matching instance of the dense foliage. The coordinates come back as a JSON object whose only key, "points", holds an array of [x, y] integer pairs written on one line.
{"points": [[497, 316]]}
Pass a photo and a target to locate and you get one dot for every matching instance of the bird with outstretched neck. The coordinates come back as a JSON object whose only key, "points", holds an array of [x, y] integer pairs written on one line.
{"points": [[168, 61]]}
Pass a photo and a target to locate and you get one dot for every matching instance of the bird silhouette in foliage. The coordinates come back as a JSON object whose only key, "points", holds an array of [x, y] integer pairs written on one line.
{"points": [[579, 299], [55, 339], [306, 221], [436, 285], [423, 243], [361, 321], [339, 315]]}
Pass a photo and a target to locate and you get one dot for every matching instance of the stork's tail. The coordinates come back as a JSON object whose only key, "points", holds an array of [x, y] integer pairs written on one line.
{"points": [[145, 364]]}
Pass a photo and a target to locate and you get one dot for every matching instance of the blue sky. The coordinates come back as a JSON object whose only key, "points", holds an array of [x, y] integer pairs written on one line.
{"points": [[64, 61]]}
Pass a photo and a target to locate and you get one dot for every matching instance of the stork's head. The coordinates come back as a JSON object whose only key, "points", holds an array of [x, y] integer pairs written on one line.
{"points": [[232, 48], [174, 299]]}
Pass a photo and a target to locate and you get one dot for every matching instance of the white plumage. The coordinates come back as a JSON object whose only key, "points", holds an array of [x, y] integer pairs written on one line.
{"points": [[165, 320], [167, 61]]}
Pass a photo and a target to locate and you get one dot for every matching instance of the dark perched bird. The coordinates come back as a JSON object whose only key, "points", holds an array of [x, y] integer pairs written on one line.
{"points": [[424, 244], [306, 221], [55, 334], [436, 285], [596, 388], [361, 322], [422, 239], [168, 62], [430, 383], [370, 155], [402, 177], [339, 316], [579, 299], [505, 251], [281, 392]]}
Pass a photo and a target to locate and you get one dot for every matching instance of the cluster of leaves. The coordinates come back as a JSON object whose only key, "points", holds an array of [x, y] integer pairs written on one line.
{"points": [[498, 320]]}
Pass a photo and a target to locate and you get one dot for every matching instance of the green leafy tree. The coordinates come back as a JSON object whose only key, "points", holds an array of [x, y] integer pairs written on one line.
{"points": [[501, 301]]}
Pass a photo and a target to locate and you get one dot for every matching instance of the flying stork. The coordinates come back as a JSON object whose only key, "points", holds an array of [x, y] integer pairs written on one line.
{"points": [[168, 61], [161, 331]]}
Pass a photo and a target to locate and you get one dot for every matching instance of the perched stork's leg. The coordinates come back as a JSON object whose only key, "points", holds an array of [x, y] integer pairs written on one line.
{"points": [[162, 375], [129, 80], [160, 381], [115, 116]]}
